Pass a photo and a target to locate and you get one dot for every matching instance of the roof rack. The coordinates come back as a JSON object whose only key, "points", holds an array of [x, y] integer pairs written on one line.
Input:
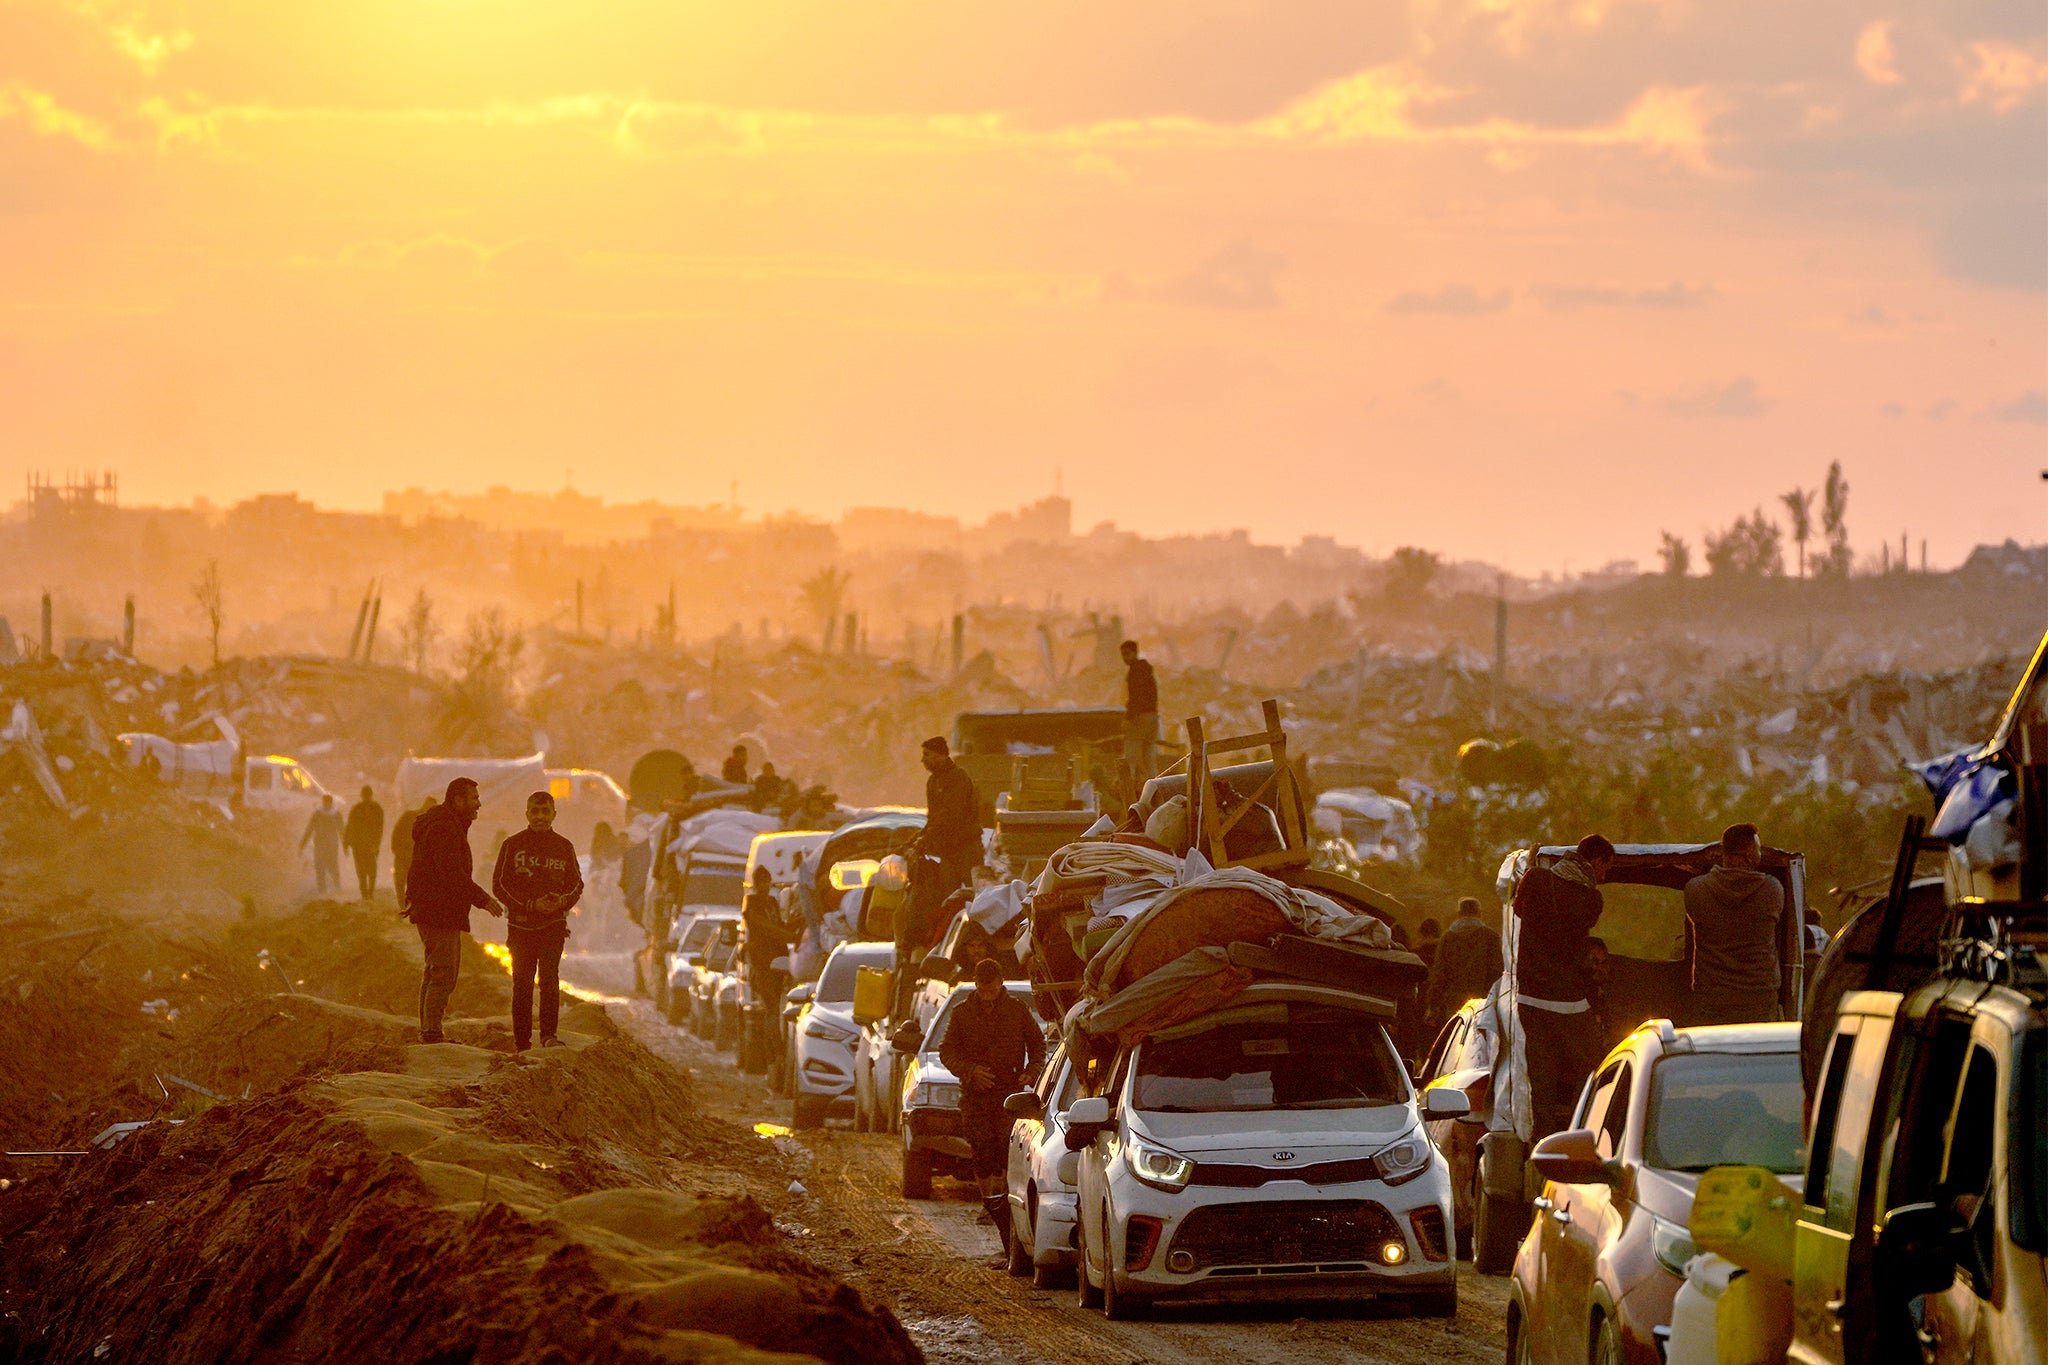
{"points": [[1997, 942]]}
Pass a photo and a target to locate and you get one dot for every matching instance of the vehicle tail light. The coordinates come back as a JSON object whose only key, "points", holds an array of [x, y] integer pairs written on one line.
{"points": [[1141, 1239], [1429, 1232]]}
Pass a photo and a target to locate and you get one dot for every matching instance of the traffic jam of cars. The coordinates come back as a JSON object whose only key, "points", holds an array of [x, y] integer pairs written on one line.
{"points": [[1180, 1063]]}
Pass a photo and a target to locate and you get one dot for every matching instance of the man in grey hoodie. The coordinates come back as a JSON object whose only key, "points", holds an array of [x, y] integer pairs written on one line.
{"points": [[1735, 912]]}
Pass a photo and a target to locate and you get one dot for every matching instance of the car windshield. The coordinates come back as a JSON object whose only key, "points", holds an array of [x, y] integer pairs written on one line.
{"points": [[1279, 1056], [837, 982], [1021, 994], [698, 934], [713, 886], [1725, 1109]]}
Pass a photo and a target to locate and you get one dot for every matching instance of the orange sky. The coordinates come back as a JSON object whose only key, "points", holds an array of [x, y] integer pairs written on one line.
{"points": [[1525, 280]]}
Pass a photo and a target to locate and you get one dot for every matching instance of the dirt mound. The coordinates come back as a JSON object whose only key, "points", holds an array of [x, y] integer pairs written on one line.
{"points": [[454, 1203]]}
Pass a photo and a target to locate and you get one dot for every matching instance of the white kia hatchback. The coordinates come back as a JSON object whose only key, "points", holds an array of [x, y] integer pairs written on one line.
{"points": [[1270, 1149]]}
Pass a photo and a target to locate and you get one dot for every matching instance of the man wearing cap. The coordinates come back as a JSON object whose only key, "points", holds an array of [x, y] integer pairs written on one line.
{"points": [[440, 891], [538, 879]]}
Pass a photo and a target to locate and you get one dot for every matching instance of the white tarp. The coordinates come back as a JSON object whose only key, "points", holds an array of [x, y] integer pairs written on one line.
{"points": [[504, 784]]}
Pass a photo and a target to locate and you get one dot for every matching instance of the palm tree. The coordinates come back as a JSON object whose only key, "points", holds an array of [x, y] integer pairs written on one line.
{"points": [[1834, 513], [1799, 505]]}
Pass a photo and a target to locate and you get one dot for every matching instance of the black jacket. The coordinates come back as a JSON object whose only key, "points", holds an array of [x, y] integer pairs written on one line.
{"points": [[440, 889], [1557, 915], [1467, 964], [364, 831], [532, 864], [1006, 1040], [1141, 689], [952, 822]]}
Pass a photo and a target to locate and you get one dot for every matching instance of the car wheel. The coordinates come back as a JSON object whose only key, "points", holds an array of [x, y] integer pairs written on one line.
{"points": [[1497, 1229], [1085, 1292], [917, 1174], [1116, 1305], [1606, 1342], [1520, 1352], [807, 1112], [1437, 1303], [860, 1116], [1020, 1252]]}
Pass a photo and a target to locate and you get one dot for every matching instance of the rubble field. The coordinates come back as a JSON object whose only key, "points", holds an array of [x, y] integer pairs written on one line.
{"points": [[326, 1190]]}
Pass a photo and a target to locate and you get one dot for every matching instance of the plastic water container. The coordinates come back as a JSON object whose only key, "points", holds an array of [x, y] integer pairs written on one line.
{"points": [[873, 992]]}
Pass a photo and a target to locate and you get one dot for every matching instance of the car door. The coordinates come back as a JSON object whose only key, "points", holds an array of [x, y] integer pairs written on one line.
{"points": [[1568, 1226], [1955, 1321], [1834, 1176], [1092, 1186], [1028, 1135]]}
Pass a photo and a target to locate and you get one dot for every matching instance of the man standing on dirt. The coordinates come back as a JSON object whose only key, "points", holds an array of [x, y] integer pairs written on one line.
{"points": [[363, 837], [323, 829], [1735, 911], [993, 1044], [440, 892], [1467, 963], [538, 880], [1558, 907], [401, 848], [1141, 716]]}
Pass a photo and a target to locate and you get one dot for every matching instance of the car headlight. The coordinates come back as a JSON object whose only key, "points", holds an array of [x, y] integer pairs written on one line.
{"points": [[1159, 1168], [934, 1095], [1402, 1160], [1672, 1243], [827, 1033]]}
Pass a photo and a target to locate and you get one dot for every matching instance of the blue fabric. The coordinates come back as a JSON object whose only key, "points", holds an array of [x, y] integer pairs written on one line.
{"points": [[1970, 797]]}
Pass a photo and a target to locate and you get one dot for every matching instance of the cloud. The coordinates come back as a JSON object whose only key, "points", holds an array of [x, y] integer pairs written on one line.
{"points": [[51, 119], [1240, 277], [2031, 406], [1874, 55], [1560, 298], [1737, 398], [2005, 76], [1452, 300]]}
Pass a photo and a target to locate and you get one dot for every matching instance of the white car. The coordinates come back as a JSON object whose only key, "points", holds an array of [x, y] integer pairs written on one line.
{"points": [[824, 1034], [1042, 1204], [696, 929], [1270, 1149]]}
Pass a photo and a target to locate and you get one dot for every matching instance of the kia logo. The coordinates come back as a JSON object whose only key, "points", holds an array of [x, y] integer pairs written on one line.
{"points": [[1283, 1156]]}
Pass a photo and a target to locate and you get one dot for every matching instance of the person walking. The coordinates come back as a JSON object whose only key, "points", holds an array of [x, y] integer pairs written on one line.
{"points": [[1467, 963], [994, 1045], [1735, 912], [1558, 907], [539, 881], [363, 837], [441, 890], [401, 848], [323, 830], [1141, 716]]}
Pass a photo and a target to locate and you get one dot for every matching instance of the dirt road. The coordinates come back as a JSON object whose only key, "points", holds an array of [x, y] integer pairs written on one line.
{"points": [[935, 1265]]}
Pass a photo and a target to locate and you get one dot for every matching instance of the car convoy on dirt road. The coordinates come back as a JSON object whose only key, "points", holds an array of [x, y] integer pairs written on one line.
{"points": [[1226, 1111]]}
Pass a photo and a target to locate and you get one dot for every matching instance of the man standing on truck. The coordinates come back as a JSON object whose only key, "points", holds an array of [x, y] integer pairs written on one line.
{"points": [[1734, 911], [440, 892], [735, 769], [993, 1043], [323, 828], [1558, 906], [539, 881], [1141, 716], [401, 848], [363, 837]]}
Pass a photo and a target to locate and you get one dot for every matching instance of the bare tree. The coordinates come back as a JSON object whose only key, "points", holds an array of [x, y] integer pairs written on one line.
{"points": [[1676, 554], [417, 633], [1410, 571], [1799, 507], [823, 591], [1834, 513], [488, 657], [206, 592]]}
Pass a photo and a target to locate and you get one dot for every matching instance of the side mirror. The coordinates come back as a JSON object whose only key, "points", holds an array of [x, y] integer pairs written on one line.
{"points": [[908, 1037], [1085, 1118], [780, 964], [1069, 1169], [1024, 1105], [938, 967], [1571, 1158], [800, 995], [1916, 1250], [1442, 1102]]}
